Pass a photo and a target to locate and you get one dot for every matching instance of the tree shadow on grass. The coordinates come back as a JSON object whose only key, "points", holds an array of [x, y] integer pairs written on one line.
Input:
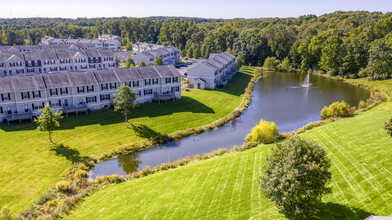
{"points": [[144, 131], [336, 211], [70, 154]]}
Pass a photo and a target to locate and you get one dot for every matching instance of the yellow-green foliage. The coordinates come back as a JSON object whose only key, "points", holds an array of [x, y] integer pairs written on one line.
{"points": [[265, 132], [336, 109]]}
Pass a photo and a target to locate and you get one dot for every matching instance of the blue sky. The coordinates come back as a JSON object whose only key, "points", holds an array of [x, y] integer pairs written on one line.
{"points": [[189, 8]]}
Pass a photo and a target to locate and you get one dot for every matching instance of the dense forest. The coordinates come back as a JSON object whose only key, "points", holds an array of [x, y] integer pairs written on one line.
{"points": [[349, 44]]}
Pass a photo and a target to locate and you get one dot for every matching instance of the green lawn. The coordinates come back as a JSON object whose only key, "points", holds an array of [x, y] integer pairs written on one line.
{"points": [[28, 166], [226, 187]]}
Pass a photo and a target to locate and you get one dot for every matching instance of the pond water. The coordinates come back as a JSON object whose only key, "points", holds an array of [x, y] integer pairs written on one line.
{"points": [[291, 100]]}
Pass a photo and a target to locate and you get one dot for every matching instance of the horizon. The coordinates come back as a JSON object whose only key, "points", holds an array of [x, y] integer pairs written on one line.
{"points": [[246, 9]]}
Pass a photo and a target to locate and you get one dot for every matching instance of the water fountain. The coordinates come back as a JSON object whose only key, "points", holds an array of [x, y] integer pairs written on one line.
{"points": [[306, 82]]}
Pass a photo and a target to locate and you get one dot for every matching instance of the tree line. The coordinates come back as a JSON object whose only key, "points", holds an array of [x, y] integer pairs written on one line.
{"points": [[348, 44]]}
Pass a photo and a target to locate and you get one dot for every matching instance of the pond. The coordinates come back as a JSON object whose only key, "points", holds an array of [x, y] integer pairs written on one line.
{"points": [[291, 100]]}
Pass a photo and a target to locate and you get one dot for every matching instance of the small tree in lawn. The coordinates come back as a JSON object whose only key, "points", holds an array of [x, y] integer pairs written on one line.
{"points": [[48, 120], [295, 176], [130, 62], [142, 63], [124, 100], [158, 61]]}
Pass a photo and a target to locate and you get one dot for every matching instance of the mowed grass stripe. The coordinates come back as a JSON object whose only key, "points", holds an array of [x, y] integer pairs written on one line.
{"points": [[358, 189]]}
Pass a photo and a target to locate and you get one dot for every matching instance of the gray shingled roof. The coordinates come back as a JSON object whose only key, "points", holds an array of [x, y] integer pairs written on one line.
{"points": [[148, 72], [126, 75], [167, 71], [82, 78], [27, 83], [6, 85], [106, 76], [56, 80]]}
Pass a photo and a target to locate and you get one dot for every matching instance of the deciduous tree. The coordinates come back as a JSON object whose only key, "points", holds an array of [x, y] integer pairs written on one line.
{"points": [[48, 120], [124, 100]]}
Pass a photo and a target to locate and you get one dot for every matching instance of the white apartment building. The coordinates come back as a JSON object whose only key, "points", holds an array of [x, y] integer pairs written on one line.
{"points": [[108, 44], [216, 71], [169, 55], [52, 61], [22, 96]]}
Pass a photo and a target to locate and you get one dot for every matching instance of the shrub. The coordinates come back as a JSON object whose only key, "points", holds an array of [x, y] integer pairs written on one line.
{"points": [[295, 176], [79, 174], [336, 109], [63, 186], [265, 132], [388, 126], [110, 179], [271, 63], [5, 214], [362, 105]]}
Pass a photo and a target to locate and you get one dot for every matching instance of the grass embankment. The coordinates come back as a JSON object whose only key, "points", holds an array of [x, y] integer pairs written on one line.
{"points": [[227, 186], [30, 166]]}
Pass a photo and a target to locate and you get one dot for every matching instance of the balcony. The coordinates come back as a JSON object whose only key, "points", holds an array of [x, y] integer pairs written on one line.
{"points": [[165, 96]]}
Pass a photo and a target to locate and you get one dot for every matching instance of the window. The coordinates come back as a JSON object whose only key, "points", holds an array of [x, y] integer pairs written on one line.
{"points": [[105, 97], [90, 88], [104, 86], [175, 79], [175, 89], [5, 97], [64, 91], [25, 95], [26, 108], [54, 92], [1, 110], [155, 81], [113, 85], [168, 80], [80, 89], [147, 82], [135, 83], [148, 92], [9, 110], [37, 94], [139, 93], [91, 99]]}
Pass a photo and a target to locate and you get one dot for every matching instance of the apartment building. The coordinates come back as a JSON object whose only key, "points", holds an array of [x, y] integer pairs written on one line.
{"points": [[94, 89], [216, 71], [169, 55], [52, 61], [108, 44]]}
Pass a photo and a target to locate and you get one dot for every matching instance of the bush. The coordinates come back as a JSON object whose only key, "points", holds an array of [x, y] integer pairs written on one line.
{"points": [[63, 186], [388, 126], [5, 214], [265, 132], [336, 109], [295, 176], [271, 63], [362, 105]]}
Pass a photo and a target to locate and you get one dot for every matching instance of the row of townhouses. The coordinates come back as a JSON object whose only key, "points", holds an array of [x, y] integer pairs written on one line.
{"points": [[23, 96], [140, 47], [52, 61], [114, 45], [216, 71], [169, 55], [35, 48]]}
